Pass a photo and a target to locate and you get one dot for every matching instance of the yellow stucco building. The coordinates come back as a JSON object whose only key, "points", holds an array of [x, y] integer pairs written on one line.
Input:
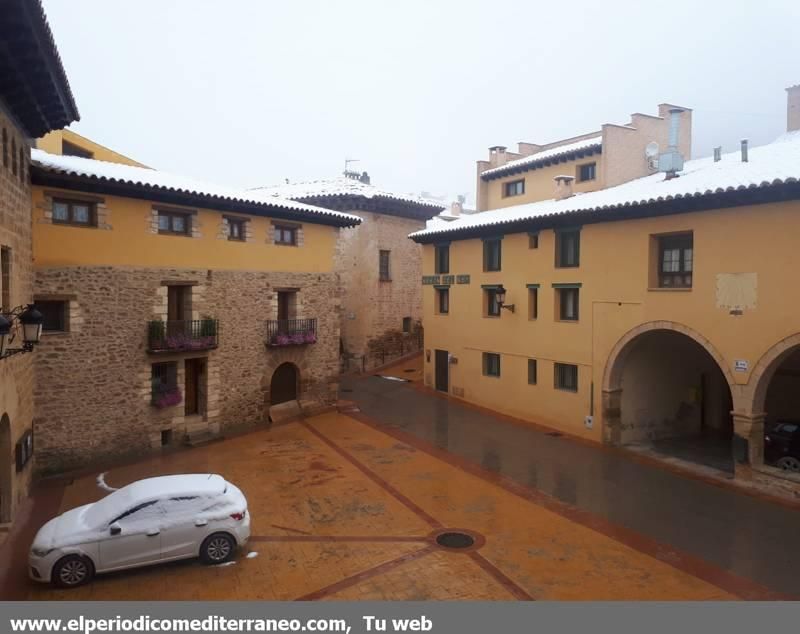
{"points": [[656, 314]]}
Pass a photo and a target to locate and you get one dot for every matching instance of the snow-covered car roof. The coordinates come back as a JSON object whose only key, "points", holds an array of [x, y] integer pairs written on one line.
{"points": [[771, 165], [206, 485], [159, 182]]}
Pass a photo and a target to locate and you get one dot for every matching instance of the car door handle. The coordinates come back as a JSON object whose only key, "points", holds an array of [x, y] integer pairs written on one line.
{"points": [[153, 533], [200, 523]]}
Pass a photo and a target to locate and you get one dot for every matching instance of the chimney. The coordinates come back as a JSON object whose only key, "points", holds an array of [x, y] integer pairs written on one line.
{"points": [[456, 208], [718, 153], [744, 150], [671, 161], [793, 108], [497, 155], [364, 178], [563, 186]]}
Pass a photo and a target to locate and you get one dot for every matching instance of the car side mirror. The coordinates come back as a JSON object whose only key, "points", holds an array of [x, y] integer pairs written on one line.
{"points": [[115, 529]]}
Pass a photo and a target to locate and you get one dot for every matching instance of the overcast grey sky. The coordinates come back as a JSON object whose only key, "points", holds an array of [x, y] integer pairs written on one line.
{"points": [[249, 92]]}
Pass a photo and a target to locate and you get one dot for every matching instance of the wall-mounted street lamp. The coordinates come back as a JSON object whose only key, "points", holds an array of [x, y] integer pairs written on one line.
{"points": [[500, 295], [26, 318]]}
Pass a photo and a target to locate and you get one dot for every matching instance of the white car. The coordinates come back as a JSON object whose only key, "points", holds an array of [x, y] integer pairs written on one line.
{"points": [[147, 522]]}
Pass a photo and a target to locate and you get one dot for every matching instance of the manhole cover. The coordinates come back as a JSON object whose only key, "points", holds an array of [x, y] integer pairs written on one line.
{"points": [[454, 540]]}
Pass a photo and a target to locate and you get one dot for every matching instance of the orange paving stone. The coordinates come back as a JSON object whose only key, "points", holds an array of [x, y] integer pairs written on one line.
{"points": [[341, 510]]}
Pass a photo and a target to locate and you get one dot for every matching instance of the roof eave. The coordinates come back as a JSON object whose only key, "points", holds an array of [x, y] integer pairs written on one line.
{"points": [[500, 172], [753, 195], [45, 177], [386, 205]]}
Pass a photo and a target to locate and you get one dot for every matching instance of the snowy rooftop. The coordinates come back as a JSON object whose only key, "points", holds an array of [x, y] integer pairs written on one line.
{"points": [[560, 150], [338, 186], [129, 175], [769, 165]]}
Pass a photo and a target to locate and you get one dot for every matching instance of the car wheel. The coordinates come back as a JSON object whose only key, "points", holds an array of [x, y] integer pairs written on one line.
{"points": [[217, 548], [72, 571], [789, 463]]}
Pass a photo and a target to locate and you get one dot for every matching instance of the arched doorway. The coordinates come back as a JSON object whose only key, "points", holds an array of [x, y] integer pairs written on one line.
{"points": [[775, 399], [5, 469], [666, 391], [284, 385]]}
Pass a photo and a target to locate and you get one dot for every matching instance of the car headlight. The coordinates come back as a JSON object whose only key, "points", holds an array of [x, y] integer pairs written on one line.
{"points": [[41, 552]]}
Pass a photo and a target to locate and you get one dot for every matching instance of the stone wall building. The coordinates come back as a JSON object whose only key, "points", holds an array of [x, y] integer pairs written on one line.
{"points": [[174, 310], [31, 104], [379, 267]]}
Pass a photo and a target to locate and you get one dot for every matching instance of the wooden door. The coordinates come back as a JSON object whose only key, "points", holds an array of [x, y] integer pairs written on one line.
{"points": [[283, 305], [442, 370], [283, 386], [192, 388], [176, 303]]}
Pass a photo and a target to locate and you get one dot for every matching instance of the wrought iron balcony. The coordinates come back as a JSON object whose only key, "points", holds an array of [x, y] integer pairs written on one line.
{"points": [[179, 336], [291, 332]]}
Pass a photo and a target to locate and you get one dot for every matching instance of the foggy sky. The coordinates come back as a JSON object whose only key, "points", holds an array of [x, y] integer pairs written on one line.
{"points": [[249, 92]]}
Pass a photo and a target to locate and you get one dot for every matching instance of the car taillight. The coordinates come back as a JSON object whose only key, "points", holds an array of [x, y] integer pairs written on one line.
{"points": [[239, 516]]}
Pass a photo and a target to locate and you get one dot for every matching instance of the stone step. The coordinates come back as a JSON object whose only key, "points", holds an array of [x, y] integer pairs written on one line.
{"points": [[201, 438]]}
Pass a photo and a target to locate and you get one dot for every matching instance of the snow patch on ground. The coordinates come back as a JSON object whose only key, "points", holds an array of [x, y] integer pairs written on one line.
{"points": [[101, 482], [252, 554], [226, 563], [392, 378]]}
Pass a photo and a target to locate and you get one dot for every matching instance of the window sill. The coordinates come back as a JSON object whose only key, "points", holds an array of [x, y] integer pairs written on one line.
{"points": [[568, 321], [384, 280], [658, 289], [284, 244], [174, 233], [568, 391], [76, 225], [236, 239]]}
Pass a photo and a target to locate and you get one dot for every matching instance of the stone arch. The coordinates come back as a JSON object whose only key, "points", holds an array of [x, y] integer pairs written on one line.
{"points": [[298, 357], [754, 395], [6, 464], [284, 385], [615, 365]]}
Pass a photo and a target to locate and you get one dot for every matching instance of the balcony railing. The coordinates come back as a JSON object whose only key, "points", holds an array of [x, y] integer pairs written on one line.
{"points": [[177, 336], [291, 332]]}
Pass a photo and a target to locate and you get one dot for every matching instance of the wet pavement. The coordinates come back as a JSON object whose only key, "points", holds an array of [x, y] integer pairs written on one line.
{"points": [[343, 508], [750, 537]]}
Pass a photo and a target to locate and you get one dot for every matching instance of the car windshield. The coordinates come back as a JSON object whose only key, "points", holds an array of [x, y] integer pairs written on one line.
{"points": [[111, 506]]}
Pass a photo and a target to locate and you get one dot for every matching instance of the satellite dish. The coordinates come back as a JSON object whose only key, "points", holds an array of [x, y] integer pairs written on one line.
{"points": [[651, 150]]}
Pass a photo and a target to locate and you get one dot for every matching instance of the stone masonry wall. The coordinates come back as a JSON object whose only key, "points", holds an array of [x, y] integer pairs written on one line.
{"points": [[93, 388], [374, 310], [16, 372]]}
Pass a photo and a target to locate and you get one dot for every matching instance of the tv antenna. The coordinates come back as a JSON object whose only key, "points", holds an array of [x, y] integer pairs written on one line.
{"points": [[347, 162]]}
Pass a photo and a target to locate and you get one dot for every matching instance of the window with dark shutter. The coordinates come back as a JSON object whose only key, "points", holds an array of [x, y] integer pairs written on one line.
{"points": [[74, 212], [177, 223], [514, 188], [442, 259], [532, 371], [566, 377], [492, 254], [54, 314], [286, 235], [384, 271], [568, 302], [568, 248], [676, 261], [443, 300], [587, 172], [491, 364]]}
